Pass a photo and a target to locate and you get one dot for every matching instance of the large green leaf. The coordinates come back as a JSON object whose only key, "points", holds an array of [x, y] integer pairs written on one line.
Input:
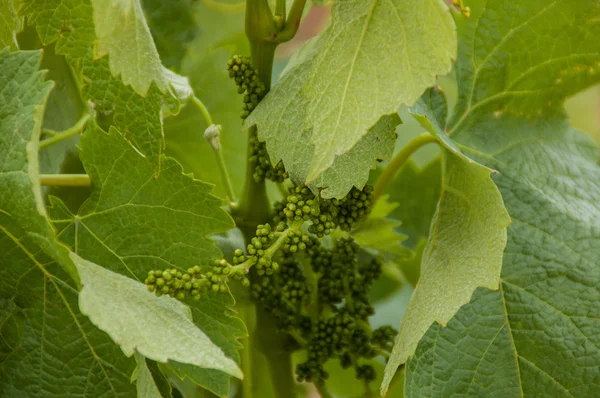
{"points": [[134, 222], [374, 57], [159, 328], [60, 352], [537, 334]]}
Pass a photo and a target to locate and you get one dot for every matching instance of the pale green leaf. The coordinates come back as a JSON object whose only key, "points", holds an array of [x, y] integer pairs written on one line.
{"points": [[144, 382], [123, 33], [159, 328], [10, 24], [464, 251], [466, 240], [374, 57], [68, 22], [537, 334]]}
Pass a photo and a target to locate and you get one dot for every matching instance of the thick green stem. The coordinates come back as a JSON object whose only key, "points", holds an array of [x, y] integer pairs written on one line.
{"points": [[254, 207], [65, 180], [63, 135], [275, 345], [399, 161]]}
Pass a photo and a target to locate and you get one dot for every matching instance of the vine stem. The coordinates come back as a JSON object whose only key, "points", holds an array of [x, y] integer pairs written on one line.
{"points": [[65, 180], [399, 161], [63, 135]]}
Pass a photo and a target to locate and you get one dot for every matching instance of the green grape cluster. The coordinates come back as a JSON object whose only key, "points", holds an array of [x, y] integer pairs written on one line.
{"points": [[263, 168], [178, 284], [245, 76], [283, 295], [365, 372], [316, 293], [325, 214], [341, 281]]}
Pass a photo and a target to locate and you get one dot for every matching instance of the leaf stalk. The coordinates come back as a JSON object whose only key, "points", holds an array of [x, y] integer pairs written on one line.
{"points": [[68, 133], [399, 160]]}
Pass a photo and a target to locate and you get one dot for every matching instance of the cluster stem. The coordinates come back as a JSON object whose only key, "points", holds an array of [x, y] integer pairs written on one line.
{"points": [[296, 226]]}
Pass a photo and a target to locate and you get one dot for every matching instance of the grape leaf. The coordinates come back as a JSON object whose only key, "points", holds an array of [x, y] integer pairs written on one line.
{"points": [[304, 127], [168, 221], [123, 33], [168, 218], [537, 333], [60, 351], [159, 328], [145, 384], [10, 24], [68, 22], [466, 241]]}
